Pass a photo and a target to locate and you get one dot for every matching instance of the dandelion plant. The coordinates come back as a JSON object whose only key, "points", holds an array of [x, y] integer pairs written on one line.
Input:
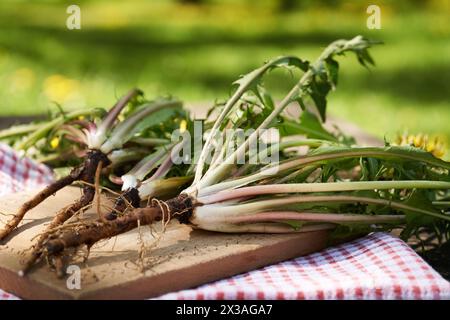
{"points": [[100, 141], [334, 185]]}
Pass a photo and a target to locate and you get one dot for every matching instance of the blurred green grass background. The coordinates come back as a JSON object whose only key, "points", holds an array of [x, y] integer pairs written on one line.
{"points": [[195, 49]]}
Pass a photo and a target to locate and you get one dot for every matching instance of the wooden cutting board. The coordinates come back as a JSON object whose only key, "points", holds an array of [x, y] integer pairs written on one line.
{"points": [[181, 259]]}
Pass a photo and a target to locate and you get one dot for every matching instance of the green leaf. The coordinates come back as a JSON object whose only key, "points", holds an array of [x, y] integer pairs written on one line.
{"points": [[265, 98], [319, 89], [301, 175], [309, 125], [346, 231], [333, 70], [301, 103], [296, 225], [399, 154], [418, 199], [157, 118], [250, 80], [370, 168], [364, 58]]}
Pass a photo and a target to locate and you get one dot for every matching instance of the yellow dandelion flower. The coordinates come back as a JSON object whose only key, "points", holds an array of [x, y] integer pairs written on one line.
{"points": [[422, 141], [438, 153], [183, 126], [54, 143], [418, 140], [430, 146]]}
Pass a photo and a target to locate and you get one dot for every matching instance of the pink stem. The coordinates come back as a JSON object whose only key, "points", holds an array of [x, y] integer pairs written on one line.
{"points": [[278, 228], [319, 217], [75, 139], [115, 179], [237, 193], [167, 163], [90, 126], [111, 116]]}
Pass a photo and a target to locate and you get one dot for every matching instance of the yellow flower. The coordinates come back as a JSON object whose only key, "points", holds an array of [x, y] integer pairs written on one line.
{"points": [[183, 126], [434, 146], [419, 140], [54, 143], [430, 146]]}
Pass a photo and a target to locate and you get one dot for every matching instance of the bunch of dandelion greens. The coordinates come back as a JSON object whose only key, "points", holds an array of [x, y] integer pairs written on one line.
{"points": [[335, 186]]}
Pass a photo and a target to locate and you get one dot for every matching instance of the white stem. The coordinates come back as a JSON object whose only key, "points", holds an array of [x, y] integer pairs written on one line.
{"points": [[306, 160], [98, 137], [321, 187], [217, 173], [281, 146], [149, 142], [225, 111], [124, 155], [441, 203], [219, 154], [308, 170], [126, 129], [230, 210], [167, 163], [162, 187], [146, 165]]}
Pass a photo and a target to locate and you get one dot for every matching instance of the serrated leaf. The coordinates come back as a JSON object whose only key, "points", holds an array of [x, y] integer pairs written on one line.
{"points": [[365, 57], [309, 125], [250, 80], [398, 153]]}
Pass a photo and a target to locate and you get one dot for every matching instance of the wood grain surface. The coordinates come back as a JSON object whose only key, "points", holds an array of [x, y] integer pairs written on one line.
{"points": [[181, 259]]}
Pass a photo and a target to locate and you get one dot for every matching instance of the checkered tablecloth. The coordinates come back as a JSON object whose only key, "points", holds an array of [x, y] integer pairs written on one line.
{"points": [[20, 173], [378, 266]]}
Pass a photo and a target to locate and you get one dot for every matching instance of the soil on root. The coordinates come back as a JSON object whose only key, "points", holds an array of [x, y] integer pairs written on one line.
{"points": [[87, 175], [125, 200], [92, 232]]}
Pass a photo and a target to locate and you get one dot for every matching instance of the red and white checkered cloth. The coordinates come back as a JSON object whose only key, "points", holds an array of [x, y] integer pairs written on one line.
{"points": [[378, 266], [21, 173]]}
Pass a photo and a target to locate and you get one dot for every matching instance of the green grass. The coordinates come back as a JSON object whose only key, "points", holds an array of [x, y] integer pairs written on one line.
{"points": [[196, 52]]}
